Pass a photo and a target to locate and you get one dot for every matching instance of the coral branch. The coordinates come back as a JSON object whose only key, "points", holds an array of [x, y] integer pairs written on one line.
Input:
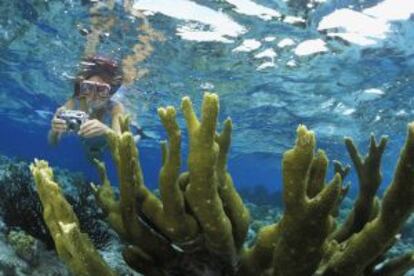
{"points": [[232, 203], [73, 247], [136, 202], [202, 190], [105, 197], [369, 175], [174, 222], [364, 247], [306, 222]]}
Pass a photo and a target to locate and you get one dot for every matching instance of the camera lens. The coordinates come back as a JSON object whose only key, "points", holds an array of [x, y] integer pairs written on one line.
{"points": [[72, 124]]}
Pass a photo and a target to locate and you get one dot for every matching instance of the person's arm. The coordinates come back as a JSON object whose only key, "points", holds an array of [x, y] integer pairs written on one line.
{"points": [[117, 113], [95, 127], [59, 126]]}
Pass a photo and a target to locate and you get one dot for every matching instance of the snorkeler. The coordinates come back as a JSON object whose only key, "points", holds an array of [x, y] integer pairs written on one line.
{"points": [[91, 111]]}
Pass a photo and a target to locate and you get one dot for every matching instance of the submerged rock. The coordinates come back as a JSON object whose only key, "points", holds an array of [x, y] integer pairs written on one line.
{"points": [[18, 257], [25, 246]]}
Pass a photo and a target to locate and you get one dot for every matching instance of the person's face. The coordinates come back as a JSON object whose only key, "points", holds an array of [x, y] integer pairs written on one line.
{"points": [[96, 92]]}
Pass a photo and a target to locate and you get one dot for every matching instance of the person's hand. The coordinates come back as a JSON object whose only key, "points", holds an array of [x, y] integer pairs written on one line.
{"points": [[58, 125], [92, 128]]}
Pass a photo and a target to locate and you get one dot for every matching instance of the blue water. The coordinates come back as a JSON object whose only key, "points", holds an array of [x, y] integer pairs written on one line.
{"points": [[344, 68], [349, 90]]}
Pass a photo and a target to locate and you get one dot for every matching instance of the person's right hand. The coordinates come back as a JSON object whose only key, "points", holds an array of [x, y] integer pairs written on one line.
{"points": [[58, 125]]}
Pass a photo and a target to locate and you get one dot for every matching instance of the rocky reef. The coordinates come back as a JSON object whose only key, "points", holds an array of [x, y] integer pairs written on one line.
{"points": [[26, 246], [21, 208], [199, 224]]}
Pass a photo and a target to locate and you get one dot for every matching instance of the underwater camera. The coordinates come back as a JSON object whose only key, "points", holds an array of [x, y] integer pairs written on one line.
{"points": [[74, 118]]}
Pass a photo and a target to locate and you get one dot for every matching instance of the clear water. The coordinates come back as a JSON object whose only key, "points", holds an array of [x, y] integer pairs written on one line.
{"points": [[351, 86], [341, 67]]}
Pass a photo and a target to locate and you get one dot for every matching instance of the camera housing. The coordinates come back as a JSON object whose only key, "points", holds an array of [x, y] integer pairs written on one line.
{"points": [[73, 118]]}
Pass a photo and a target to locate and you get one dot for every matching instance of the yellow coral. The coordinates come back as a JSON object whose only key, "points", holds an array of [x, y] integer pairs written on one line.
{"points": [[73, 247], [200, 215]]}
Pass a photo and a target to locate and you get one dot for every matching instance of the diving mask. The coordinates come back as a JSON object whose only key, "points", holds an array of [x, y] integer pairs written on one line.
{"points": [[99, 89]]}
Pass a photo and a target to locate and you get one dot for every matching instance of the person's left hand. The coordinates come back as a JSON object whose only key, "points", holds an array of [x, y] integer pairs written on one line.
{"points": [[92, 128]]}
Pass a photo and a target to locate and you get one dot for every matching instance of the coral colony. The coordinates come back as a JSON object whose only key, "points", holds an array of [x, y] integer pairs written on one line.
{"points": [[199, 223]]}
